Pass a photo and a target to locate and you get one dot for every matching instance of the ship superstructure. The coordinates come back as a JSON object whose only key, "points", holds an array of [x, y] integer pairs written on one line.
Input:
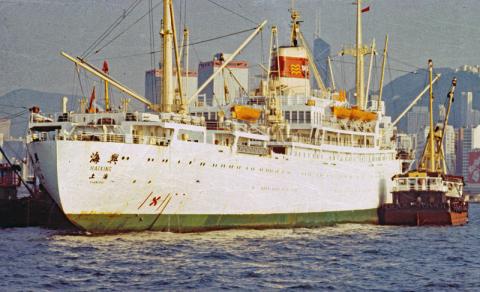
{"points": [[290, 157]]}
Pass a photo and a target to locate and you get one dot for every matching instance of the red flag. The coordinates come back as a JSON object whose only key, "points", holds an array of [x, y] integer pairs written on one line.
{"points": [[366, 9], [91, 109], [105, 67]]}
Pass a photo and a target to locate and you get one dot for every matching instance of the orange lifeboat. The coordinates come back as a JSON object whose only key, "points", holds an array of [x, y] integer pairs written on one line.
{"points": [[245, 113], [341, 112], [354, 114], [361, 115]]}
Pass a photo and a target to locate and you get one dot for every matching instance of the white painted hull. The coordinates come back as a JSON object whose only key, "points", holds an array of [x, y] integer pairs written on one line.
{"points": [[194, 178]]}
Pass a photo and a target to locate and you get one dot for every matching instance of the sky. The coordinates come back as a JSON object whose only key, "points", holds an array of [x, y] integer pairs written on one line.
{"points": [[33, 32]]}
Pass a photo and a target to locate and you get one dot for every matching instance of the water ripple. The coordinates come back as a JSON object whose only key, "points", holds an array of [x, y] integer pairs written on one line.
{"points": [[349, 257]]}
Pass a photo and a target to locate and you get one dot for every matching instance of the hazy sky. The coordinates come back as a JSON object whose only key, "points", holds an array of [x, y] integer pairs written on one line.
{"points": [[33, 32]]}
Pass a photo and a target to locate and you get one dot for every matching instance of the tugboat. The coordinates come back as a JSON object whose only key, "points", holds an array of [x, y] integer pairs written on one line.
{"points": [[428, 195]]}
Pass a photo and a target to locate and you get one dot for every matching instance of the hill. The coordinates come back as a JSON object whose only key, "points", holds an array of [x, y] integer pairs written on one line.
{"points": [[15, 105], [400, 92]]}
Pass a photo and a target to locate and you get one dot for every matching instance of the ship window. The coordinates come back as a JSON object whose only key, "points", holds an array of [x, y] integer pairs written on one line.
{"points": [[287, 116], [301, 117], [294, 116], [308, 117]]}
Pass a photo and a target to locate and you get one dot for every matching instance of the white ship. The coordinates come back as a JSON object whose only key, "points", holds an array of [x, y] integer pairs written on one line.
{"points": [[311, 159]]}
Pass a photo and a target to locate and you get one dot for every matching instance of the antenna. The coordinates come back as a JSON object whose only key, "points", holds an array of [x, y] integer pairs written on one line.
{"points": [[316, 34]]}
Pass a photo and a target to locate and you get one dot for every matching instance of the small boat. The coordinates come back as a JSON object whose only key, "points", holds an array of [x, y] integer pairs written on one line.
{"points": [[426, 198], [428, 195]]}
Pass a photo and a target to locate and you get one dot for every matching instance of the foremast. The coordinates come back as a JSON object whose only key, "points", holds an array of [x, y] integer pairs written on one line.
{"points": [[433, 158]]}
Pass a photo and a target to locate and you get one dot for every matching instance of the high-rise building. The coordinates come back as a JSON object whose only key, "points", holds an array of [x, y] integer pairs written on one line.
{"points": [[442, 112], [406, 142], [5, 128], [321, 51], [231, 83], [153, 84], [465, 110], [468, 139], [459, 140], [417, 119]]}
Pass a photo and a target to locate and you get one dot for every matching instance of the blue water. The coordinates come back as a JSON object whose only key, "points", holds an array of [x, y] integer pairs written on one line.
{"points": [[347, 257]]}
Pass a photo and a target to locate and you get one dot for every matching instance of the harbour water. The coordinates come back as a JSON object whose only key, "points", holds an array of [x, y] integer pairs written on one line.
{"points": [[347, 257]]}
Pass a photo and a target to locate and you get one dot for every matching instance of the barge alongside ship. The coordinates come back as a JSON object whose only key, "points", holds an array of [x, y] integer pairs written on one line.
{"points": [[35, 209], [428, 195]]}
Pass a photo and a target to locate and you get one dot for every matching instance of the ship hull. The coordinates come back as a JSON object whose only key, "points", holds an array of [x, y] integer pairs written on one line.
{"points": [[187, 187], [104, 223], [421, 217]]}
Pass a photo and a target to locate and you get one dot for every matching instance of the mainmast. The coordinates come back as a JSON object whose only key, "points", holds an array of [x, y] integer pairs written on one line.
{"points": [[431, 141], [359, 60], [167, 66]]}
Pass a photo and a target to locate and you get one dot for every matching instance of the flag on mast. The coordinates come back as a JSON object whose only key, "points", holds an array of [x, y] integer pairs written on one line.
{"points": [[91, 108]]}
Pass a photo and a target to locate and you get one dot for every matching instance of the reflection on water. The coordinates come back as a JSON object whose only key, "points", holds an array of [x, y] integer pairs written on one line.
{"points": [[345, 257]]}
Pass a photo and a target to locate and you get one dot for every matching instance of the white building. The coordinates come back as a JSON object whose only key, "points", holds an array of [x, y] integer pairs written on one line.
{"points": [[231, 83], [153, 84], [406, 142], [465, 111], [5, 128], [468, 139], [417, 119]]}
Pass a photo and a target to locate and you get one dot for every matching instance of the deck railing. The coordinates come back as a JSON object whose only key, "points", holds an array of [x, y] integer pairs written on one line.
{"points": [[105, 137], [419, 184]]}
